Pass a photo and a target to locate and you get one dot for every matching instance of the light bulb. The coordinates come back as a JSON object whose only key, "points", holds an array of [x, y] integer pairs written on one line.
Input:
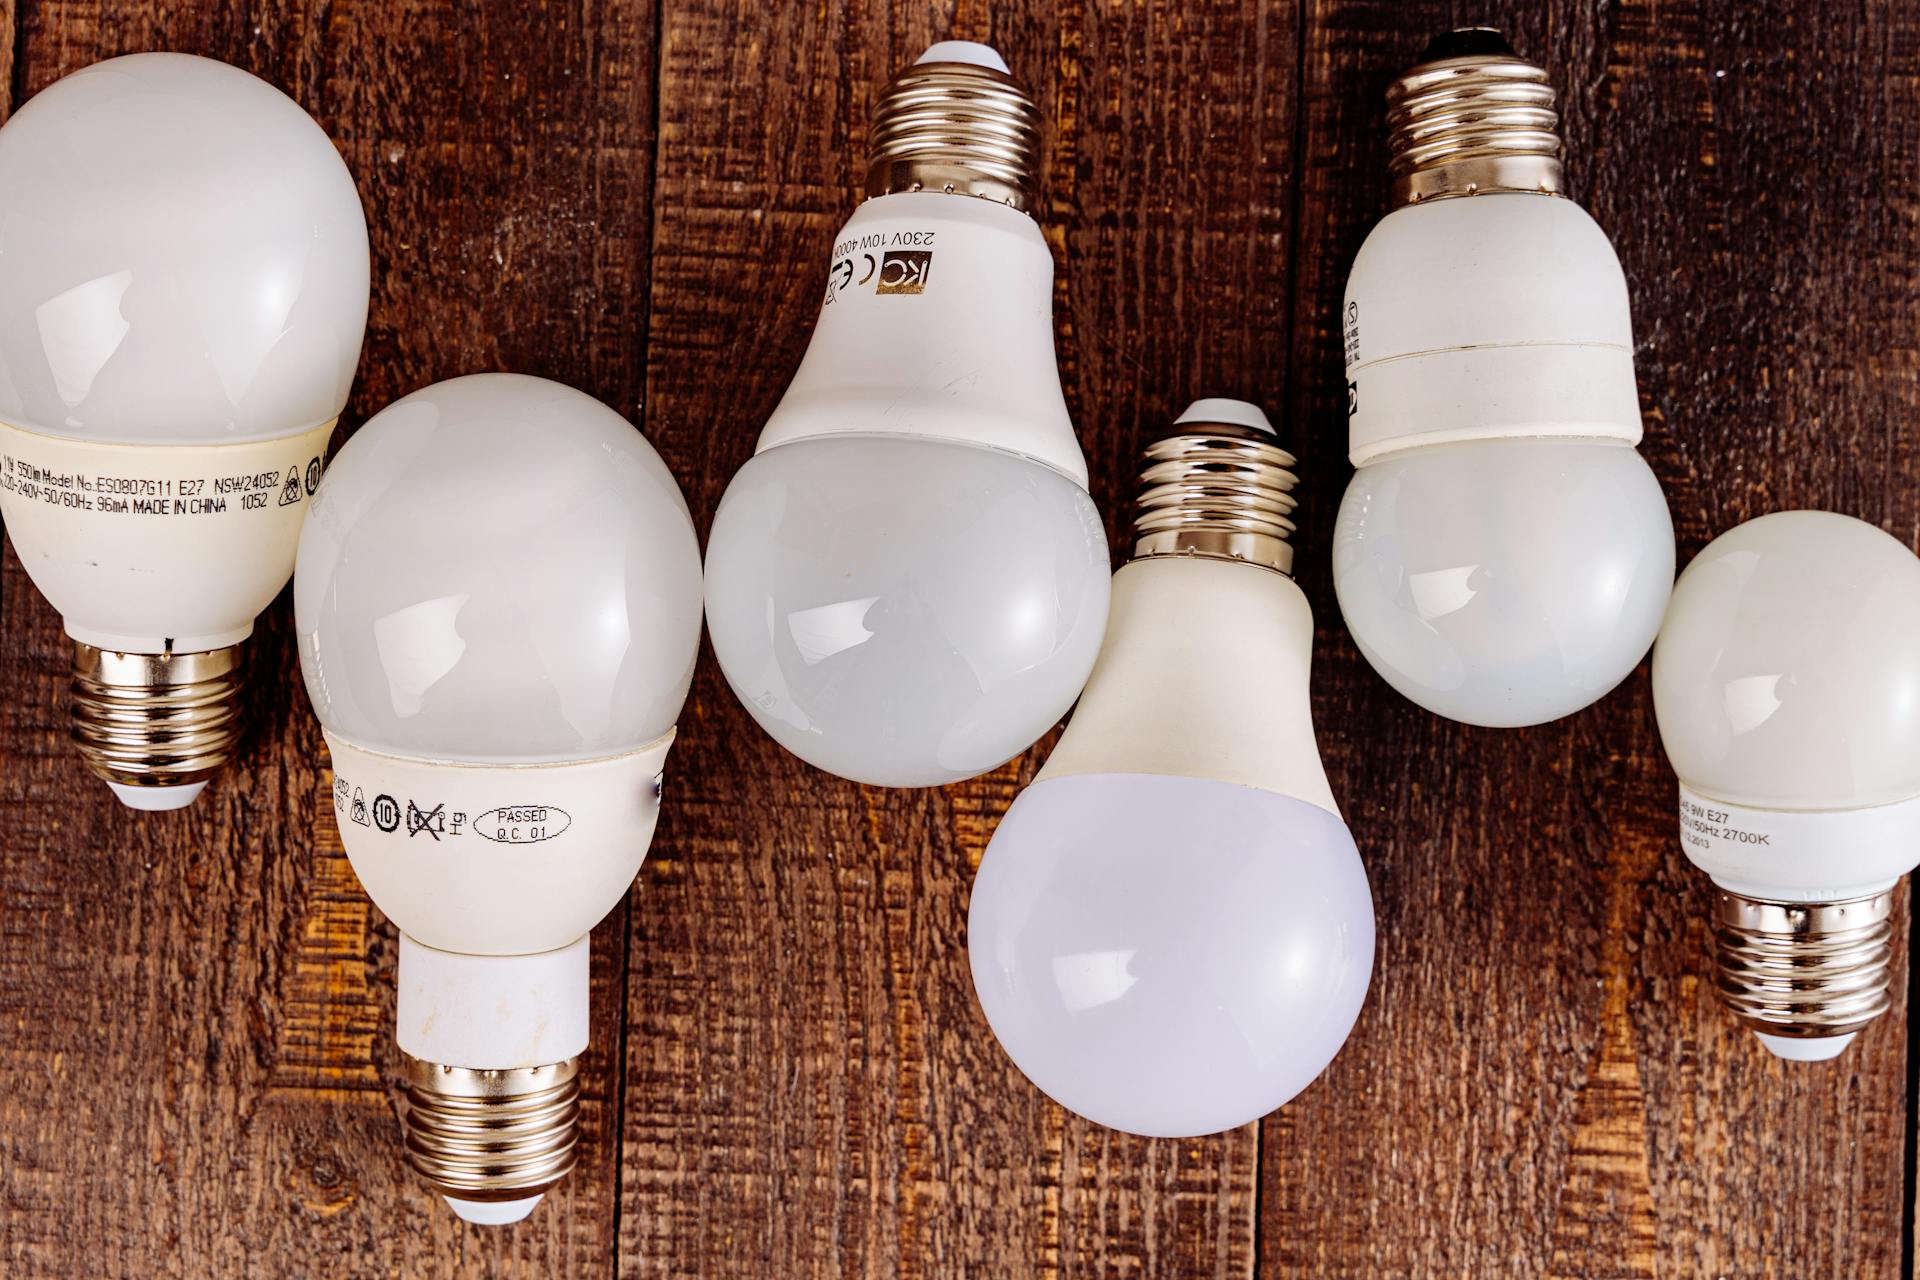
{"points": [[1503, 554], [183, 292], [498, 602], [907, 583], [1787, 684], [1171, 932]]}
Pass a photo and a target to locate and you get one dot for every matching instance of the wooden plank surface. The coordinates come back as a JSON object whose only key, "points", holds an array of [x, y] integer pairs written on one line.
{"points": [[1542, 1083], [790, 1077]]}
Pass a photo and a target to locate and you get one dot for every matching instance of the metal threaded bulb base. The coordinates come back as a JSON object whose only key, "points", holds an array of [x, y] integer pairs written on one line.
{"points": [[1472, 116], [155, 719], [492, 1135], [1803, 970], [1213, 489], [956, 128]]}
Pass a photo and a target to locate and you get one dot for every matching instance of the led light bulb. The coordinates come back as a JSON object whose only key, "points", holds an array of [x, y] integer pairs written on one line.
{"points": [[183, 292], [498, 600], [1171, 932], [1503, 554], [1787, 684], [907, 583]]}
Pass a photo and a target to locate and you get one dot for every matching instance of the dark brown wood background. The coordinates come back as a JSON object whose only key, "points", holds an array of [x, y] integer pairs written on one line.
{"points": [[789, 1076]]}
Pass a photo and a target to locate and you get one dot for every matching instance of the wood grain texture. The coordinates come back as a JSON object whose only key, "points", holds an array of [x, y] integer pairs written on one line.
{"points": [[789, 1076], [1542, 1083], [198, 1031]]}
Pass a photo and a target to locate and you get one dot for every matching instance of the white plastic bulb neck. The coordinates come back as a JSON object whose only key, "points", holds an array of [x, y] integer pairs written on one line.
{"points": [[492, 1013], [1203, 675], [1501, 316], [937, 324]]}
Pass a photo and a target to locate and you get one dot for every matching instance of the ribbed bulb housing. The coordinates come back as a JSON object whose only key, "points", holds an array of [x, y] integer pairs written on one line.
{"points": [[958, 127], [1804, 971], [1472, 116], [484, 1137], [155, 727], [1221, 489]]}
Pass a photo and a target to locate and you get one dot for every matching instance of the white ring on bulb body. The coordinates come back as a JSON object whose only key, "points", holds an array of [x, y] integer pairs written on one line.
{"points": [[144, 548], [496, 859]]}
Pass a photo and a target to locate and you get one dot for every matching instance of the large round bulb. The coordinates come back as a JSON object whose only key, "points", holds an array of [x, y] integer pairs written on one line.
{"points": [[1787, 686], [905, 612], [1504, 582], [1171, 932], [498, 603], [183, 293], [907, 584], [1503, 555]]}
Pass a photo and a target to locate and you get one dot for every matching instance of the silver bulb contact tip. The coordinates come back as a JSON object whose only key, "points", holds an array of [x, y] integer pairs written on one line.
{"points": [[957, 128], [1219, 490], [156, 726], [1472, 117], [1803, 971], [492, 1137]]}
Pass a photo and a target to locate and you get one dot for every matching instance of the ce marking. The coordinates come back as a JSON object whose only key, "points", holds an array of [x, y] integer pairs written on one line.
{"points": [[873, 264]]}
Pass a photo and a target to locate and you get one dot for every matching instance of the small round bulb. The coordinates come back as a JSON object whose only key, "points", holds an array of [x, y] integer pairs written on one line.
{"points": [[1171, 932], [183, 293], [907, 583], [1503, 554], [1787, 684], [498, 604]]}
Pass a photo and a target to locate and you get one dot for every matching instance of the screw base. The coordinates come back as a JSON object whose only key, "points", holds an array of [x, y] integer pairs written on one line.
{"points": [[1803, 970], [1217, 489], [1473, 116], [492, 1137], [156, 726], [957, 128]]}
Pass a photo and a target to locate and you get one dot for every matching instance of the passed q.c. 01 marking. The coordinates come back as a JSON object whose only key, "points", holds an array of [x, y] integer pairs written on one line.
{"points": [[522, 823]]}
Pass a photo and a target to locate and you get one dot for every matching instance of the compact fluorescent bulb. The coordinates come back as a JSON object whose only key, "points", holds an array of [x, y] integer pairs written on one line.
{"points": [[183, 292], [498, 599], [1503, 554], [1787, 684]]}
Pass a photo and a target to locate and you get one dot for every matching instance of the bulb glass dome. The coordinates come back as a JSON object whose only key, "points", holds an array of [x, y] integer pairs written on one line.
{"points": [[1788, 671], [905, 612], [183, 258], [1504, 582], [498, 569], [1170, 956]]}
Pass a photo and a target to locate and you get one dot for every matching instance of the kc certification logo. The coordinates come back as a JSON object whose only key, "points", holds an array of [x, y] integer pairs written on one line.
{"points": [[904, 271]]}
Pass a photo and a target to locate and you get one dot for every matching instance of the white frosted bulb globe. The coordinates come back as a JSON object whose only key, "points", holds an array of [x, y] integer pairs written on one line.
{"points": [[1504, 582], [905, 612], [1787, 685], [1171, 932], [907, 584], [1503, 555], [183, 294], [498, 604]]}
